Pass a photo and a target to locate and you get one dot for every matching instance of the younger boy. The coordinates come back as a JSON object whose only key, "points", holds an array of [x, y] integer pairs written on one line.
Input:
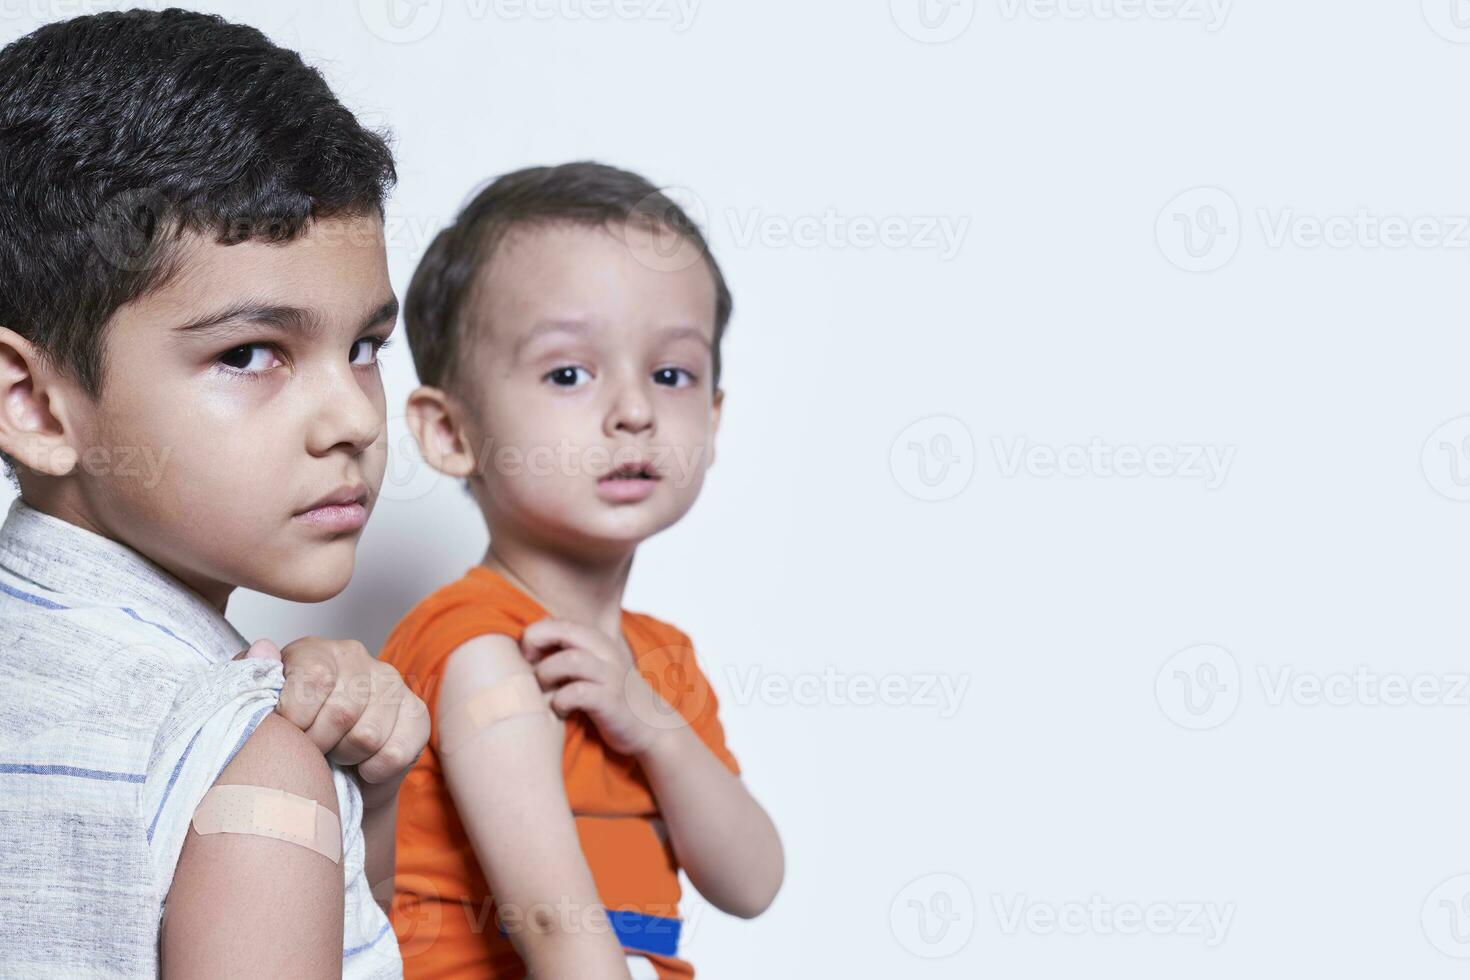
{"points": [[193, 289], [567, 330]]}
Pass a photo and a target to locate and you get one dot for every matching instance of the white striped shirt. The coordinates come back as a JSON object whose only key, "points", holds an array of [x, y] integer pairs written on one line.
{"points": [[119, 706]]}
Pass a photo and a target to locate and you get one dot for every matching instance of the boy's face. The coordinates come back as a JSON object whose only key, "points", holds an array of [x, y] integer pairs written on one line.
{"points": [[589, 351], [246, 389]]}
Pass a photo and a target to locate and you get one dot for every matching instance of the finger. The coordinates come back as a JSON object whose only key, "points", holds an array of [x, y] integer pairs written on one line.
{"points": [[372, 729], [548, 635], [568, 665], [344, 706], [311, 676], [544, 637], [576, 696], [402, 747], [259, 650]]}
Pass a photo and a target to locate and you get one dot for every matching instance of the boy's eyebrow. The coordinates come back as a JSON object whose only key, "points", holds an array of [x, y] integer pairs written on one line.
{"points": [[682, 332], [294, 318], [676, 332], [548, 326], [387, 312], [265, 315]]}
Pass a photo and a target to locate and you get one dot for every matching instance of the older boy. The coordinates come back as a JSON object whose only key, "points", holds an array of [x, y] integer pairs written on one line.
{"points": [[194, 293]]}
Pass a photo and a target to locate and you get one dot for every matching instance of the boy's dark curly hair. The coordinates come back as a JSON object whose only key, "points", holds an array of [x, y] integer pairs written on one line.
{"points": [[121, 131]]}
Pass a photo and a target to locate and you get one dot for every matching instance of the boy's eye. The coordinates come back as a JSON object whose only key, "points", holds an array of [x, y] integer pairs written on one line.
{"points": [[366, 350], [247, 358], [673, 377], [566, 377]]}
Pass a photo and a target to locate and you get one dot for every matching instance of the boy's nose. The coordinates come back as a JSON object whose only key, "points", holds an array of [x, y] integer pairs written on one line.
{"points": [[631, 411], [344, 417]]}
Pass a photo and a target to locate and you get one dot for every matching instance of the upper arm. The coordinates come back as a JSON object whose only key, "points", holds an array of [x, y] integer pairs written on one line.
{"points": [[245, 905], [508, 787]]}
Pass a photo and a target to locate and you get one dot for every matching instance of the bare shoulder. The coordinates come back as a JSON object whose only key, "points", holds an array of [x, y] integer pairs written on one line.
{"points": [[483, 660], [281, 756], [474, 667], [268, 906]]}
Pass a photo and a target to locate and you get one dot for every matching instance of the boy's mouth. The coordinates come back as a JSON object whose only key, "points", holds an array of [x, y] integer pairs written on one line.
{"points": [[632, 471], [344, 509], [628, 483]]}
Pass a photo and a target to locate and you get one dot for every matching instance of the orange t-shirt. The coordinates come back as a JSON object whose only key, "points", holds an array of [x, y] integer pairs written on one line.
{"points": [[442, 909]]}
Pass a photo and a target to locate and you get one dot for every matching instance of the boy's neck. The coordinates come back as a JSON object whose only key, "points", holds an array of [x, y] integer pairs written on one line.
{"points": [[72, 508], [574, 589]]}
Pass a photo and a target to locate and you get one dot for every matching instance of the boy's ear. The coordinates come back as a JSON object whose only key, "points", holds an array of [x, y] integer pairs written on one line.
{"points": [[34, 400], [438, 428]]}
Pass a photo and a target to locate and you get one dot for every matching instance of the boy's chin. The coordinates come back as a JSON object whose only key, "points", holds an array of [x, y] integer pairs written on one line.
{"points": [[314, 578], [618, 537]]}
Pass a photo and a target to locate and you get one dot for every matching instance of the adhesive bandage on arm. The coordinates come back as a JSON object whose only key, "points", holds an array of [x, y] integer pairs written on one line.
{"points": [[265, 812], [517, 695]]}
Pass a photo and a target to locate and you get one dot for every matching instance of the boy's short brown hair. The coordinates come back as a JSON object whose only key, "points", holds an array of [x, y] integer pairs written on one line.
{"points": [[584, 193]]}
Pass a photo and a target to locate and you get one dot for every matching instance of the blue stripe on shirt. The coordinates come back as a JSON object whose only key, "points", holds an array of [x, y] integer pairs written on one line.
{"points": [[34, 600], [249, 730], [646, 933], [165, 629], [27, 769], [367, 945], [173, 777], [643, 933], [45, 603]]}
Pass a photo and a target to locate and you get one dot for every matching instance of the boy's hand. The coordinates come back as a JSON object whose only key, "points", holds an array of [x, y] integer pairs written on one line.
{"points": [[355, 708], [587, 670], [720, 835]]}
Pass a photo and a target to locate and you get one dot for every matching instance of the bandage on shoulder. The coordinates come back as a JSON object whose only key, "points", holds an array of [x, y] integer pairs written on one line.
{"points": [[517, 695], [265, 812]]}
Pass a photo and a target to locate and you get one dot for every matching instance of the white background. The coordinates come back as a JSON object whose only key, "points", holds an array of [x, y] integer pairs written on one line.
{"points": [[1084, 299]]}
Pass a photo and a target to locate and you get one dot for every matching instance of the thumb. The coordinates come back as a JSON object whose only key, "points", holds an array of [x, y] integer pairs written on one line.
{"points": [[260, 650]]}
